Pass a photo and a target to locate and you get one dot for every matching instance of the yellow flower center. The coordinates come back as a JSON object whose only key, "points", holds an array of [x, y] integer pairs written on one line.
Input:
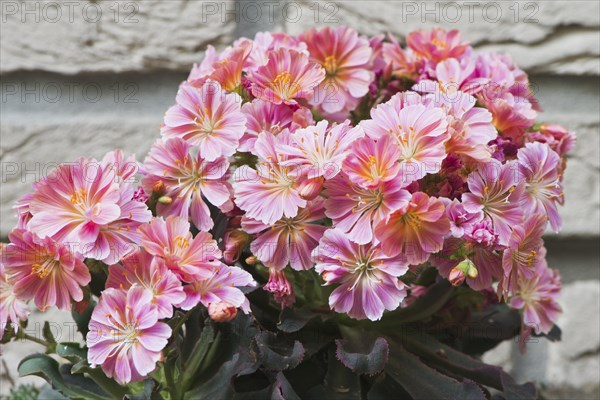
{"points": [[78, 197], [181, 242], [411, 220], [330, 65], [284, 85], [45, 268], [439, 43]]}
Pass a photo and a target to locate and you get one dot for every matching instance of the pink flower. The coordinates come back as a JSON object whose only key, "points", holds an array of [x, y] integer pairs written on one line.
{"points": [[288, 240], [368, 279], [287, 76], [125, 167], [222, 286], [21, 208], [420, 133], [188, 180], [511, 112], [89, 204], [496, 190], [225, 68], [12, 308], [200, 73], [470, 128], [206, 117], [556, 136], [537, 298], [270, 191], [320, 151], [356, 211], [437, 44], [281, 288], [149, 272], [372, 162], [345, 57], [452, 77], [500, 70], [482, 233], [404, 63], [461, 220], [44, 270], [190, 258], [263, 116], [125, 337], [540, 167], [228, 71], [524, 251], [266, 41], [416, 230]]}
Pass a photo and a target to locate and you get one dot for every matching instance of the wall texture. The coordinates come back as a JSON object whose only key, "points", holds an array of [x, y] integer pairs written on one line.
{"points": [[83, 77]]}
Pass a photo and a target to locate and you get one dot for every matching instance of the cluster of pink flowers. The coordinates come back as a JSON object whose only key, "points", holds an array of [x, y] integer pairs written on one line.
{"points": [[328, 150]]}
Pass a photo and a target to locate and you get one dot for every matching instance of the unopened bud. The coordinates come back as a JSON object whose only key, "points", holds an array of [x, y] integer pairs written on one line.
{"points": [[252, 260], [221, 312], [165, 200], [456, 276], [159, 187], [464, 269], [310, 188], [472, 272], [235, 242]]}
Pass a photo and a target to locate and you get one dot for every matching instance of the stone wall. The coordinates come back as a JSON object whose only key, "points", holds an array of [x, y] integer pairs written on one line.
{"points": [[83, 77]]}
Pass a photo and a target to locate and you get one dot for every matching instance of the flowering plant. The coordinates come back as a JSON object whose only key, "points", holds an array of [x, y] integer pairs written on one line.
{"points": [[324, 216]]}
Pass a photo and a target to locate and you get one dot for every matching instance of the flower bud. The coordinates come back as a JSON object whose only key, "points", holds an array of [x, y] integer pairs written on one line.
{"points": [[310, 188], [159, 187], [221, 311], [456, 276], [235, 242], [464, 269], [252, 260], [165, 200]]}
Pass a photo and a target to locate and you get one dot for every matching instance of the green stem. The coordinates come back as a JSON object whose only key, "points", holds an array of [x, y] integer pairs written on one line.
{"points": [[23, 335], [171, 381], [180, 323]]}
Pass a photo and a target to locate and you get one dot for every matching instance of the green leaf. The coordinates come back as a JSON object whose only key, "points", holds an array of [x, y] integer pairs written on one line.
{"points": [[77, 355], [190, 371], [340, 383], [424, 307], [292, 319], [151, 391], [46, 367], [278, 353], [385, 388], [217, 387], [423, 382], [71, 351], [363, 356], [445, 357], [282, 389], [49, 336]]}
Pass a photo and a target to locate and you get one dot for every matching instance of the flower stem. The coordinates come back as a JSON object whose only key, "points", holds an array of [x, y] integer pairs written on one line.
{"points": [[23, 335]]}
